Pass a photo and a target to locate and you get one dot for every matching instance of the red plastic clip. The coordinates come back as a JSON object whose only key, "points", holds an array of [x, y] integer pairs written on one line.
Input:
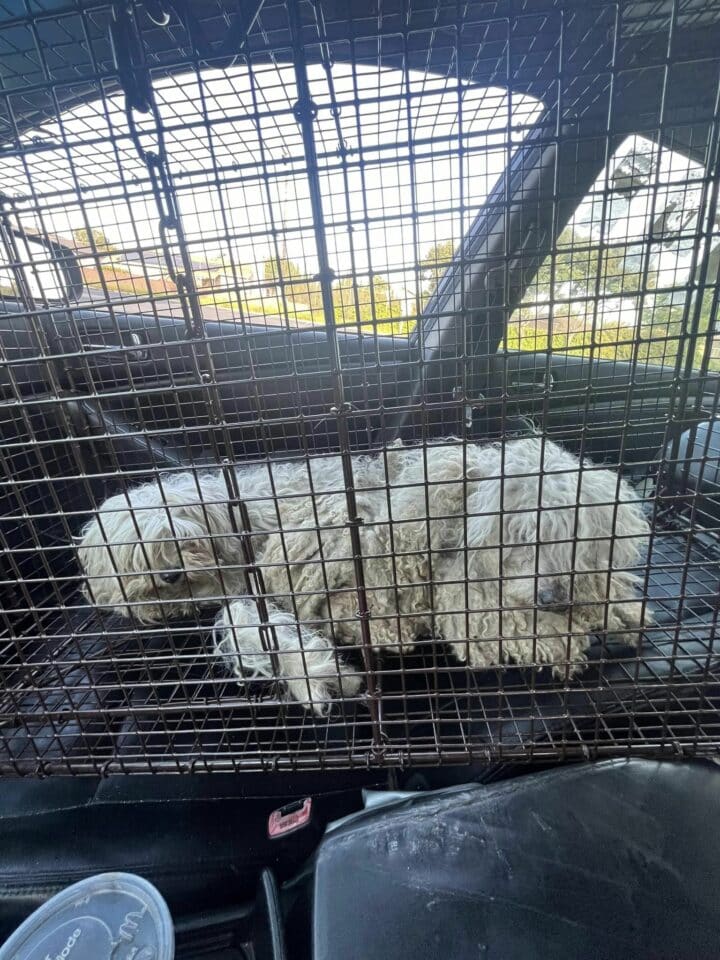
{"points": [[293, 816]]}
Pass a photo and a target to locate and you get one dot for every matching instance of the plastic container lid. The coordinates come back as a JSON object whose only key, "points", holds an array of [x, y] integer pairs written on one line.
{"points": [[112, 916]]}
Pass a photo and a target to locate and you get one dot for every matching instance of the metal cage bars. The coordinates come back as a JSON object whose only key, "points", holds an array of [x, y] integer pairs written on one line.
{"points": [[80, 703]]}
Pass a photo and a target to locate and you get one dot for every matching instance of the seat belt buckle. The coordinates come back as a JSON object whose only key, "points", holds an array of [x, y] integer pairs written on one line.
{"points": [[290, 818]]}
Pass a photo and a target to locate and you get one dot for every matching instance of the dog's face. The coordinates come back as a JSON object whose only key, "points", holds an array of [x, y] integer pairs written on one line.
{"points": [[154, 554]]}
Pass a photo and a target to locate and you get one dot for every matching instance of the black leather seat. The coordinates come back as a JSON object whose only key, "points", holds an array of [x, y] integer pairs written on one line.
{"points": [[594, 862], [202, 840]]}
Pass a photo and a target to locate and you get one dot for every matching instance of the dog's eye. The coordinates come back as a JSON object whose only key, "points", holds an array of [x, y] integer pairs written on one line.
{"points": [[171, 576]]}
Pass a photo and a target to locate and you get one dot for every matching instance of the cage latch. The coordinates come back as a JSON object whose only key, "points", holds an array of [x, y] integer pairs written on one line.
{"points": [[470, 404], [132, 340], [535, 387]]}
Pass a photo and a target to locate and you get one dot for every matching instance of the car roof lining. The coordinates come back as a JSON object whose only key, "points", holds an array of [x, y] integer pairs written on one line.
{"points": [[515, 53]]}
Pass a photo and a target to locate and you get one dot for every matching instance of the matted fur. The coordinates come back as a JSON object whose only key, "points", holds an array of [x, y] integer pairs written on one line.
{"points": [[507, 552]]}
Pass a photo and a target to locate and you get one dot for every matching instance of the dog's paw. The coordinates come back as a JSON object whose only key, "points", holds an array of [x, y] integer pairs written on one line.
{"points": [[569, 657], [305, 664], [477, 654], [628, 615], [320, 691], [566, 655]]}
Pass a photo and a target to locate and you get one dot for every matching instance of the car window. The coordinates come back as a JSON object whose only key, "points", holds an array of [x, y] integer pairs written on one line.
{"points": [[398, 191], [28, 269], [623, 282]]}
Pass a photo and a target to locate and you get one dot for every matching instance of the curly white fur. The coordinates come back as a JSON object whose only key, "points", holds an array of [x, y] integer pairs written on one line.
{"points": [[508, 552]]}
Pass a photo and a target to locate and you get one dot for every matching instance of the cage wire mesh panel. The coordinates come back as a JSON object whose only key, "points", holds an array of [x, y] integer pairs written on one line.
{"points": [[291, 284]]}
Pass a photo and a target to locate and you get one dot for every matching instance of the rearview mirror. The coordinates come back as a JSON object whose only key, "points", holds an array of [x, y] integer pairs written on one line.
{"points": [[35, 268]]}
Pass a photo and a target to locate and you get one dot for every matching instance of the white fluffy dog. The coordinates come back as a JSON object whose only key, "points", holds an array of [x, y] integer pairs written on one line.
{"points": [[508, 552]]}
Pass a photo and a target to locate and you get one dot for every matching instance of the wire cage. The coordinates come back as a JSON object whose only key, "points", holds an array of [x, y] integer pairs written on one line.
{"points": [[283, 250]]}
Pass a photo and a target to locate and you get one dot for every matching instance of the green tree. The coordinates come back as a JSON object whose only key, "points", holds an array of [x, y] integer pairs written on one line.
{"points": [[580, 264], [662, 328], [280, 269], [581, 270], [94, 238], [356, 302], [367, 305], [433, 266]]}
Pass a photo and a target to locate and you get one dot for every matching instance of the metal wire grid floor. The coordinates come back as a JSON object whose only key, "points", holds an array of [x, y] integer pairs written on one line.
{"points": [[145, 374]]}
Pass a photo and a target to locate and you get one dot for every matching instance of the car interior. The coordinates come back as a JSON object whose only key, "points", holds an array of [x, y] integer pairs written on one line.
{"points": [[275, 231]]}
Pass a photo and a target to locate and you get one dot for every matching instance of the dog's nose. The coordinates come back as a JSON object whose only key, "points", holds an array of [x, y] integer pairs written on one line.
{"points": [[551, 600], [171, 576]]}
